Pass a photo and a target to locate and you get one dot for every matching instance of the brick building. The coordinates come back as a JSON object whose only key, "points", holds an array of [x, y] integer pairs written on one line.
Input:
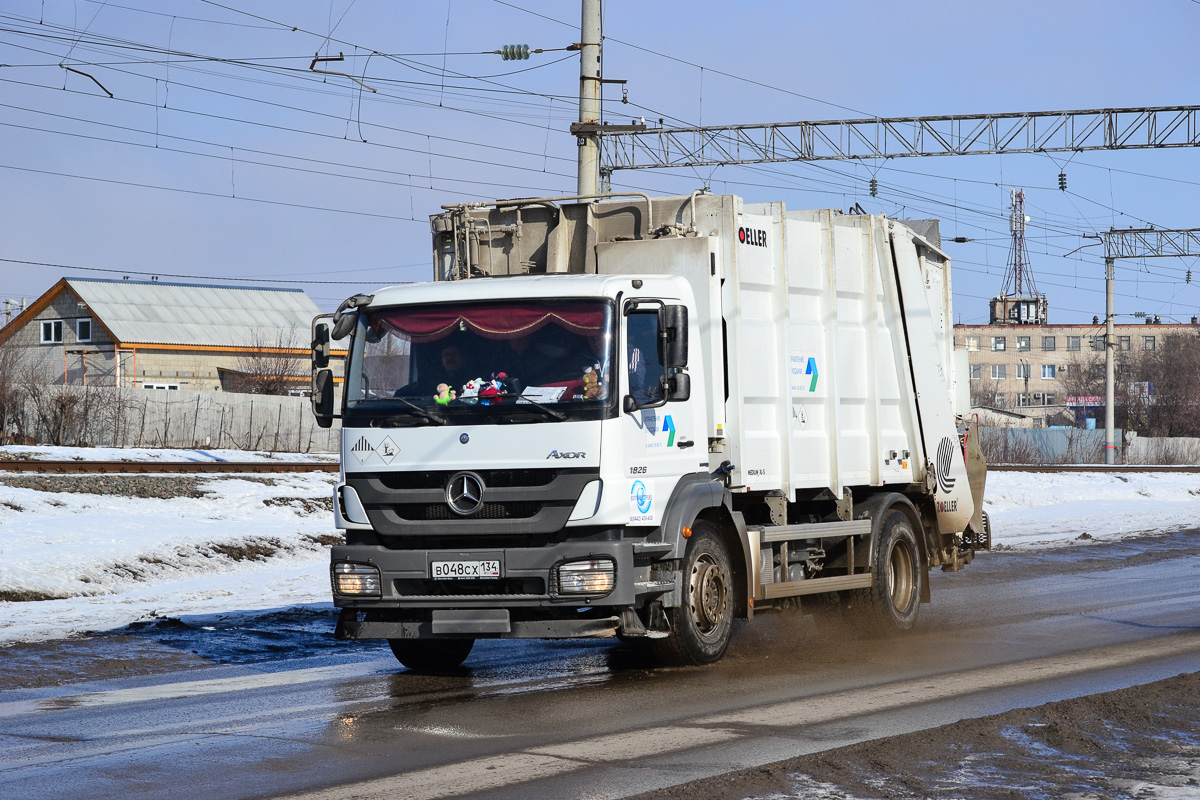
{"points": [[1029, 368], [155, 335]]}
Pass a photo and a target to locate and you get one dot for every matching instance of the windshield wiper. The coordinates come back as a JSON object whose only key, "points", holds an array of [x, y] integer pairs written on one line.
{"points": [[558, 415], [436, 419]]}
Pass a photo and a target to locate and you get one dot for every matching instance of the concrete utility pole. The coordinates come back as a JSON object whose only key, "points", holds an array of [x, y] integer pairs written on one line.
{"points": [[590, 84], [1132, 243], [1110, 345], [8, 304]]}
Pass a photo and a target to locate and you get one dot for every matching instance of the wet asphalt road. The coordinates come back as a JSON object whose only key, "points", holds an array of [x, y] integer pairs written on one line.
{"points": [[292, 713]]}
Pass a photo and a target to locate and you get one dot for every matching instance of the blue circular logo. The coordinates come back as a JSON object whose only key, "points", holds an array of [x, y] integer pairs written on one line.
{"points": [[640, 497], [464, 438]]}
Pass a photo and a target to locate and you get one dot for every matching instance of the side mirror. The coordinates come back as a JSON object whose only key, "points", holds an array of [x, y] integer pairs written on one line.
{"points": [[346, 316], [320, 344], [673, 323], [678, 386], [322, 397], [343, 324]]}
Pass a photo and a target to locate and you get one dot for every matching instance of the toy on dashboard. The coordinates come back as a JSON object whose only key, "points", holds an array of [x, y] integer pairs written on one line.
{"points": [[493, 390], [471, 389], [591, 383]]}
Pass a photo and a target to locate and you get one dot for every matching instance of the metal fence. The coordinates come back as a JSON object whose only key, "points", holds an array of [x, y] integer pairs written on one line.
{"points": [[112, 417], [1045, 445], [1163, 450]]}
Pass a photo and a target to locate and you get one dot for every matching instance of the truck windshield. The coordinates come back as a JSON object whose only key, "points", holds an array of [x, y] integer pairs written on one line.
{"points": [[499, 361]]}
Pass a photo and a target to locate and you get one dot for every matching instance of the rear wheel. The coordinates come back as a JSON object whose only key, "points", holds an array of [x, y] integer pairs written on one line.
{"points": [[431, 655], [893, 601], [702, 626]]}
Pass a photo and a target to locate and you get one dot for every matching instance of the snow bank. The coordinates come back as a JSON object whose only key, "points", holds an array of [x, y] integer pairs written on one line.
{"points": [[107, 561], [1032, 509]]}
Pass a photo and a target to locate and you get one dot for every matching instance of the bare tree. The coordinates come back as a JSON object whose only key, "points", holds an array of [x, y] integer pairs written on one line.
{"points": [[1167, 383], [1084, 375], [1008, 446], [12, 398], [270, 365], [984, 391], [62, 414]]}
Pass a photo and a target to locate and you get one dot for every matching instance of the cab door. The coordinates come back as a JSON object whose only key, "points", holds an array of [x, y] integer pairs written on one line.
{"points": [[661, 430]]}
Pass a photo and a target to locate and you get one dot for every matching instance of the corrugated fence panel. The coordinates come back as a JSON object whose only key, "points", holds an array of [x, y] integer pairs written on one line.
{"points": [[111, 417]]}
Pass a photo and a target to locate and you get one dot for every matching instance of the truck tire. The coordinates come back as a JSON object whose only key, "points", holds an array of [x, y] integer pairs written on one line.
{"points": [[702, 626], [891, 605], [431, 655]]}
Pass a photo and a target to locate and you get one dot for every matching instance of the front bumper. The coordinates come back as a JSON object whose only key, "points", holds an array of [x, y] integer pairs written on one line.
{"points": [[522, 603], [475, 624], [526, 578]]}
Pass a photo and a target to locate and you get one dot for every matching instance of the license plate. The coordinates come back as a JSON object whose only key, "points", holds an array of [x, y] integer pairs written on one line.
{"points": [[465, 569]]}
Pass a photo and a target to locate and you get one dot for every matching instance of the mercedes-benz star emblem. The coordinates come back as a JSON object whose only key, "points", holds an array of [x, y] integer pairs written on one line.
{"points": [[464, 493]]}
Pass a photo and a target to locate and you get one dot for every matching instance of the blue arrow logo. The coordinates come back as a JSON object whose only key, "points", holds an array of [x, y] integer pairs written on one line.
{"points": [[811, 369], [669, 426]]}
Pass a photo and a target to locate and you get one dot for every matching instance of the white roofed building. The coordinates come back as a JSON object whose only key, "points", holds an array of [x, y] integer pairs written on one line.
{"points": [[156, 335]]}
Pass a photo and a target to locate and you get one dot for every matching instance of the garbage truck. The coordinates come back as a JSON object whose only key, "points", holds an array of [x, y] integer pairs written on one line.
{"points": [[647, 417]]}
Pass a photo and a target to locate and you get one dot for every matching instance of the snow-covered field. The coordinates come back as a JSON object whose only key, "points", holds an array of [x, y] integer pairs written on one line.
{"points": [[1030, 509], [253, 543]]}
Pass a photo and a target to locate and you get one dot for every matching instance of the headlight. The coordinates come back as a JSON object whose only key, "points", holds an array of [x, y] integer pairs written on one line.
{"points": [[355, 580], [592, 576]]}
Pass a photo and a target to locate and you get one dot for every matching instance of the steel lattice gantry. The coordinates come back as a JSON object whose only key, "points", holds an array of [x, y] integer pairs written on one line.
{"points": [[897, 137], [1150, 243], [1132, 243]]}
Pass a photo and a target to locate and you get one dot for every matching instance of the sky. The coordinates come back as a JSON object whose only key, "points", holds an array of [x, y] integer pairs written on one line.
{"points": [[222, 158]]}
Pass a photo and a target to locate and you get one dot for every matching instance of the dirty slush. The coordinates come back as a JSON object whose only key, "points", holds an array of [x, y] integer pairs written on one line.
{"points": [[1141, 743]]}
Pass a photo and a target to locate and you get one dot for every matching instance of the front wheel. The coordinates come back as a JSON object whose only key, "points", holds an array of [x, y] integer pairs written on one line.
{"points": [[431, 655], [702, 626]]}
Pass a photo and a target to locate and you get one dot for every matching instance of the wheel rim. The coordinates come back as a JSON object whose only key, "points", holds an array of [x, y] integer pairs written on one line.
{"points": [[901, 577], [710, 595]]}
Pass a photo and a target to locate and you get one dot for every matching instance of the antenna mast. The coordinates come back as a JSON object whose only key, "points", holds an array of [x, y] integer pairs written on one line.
{"points": [[1019, 302]]}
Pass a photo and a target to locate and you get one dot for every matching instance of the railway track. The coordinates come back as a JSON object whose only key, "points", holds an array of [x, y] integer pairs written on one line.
{"points": [[1093, 468], [235, 467], [165, 467]]}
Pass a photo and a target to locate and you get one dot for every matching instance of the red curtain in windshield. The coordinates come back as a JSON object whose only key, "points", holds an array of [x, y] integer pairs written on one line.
{"points": [[491, 321]]}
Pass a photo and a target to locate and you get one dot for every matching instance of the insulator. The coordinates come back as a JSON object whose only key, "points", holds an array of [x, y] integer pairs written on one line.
{"points": [[1062, 181], [874, 187], [515, 52], [1188, 278]]}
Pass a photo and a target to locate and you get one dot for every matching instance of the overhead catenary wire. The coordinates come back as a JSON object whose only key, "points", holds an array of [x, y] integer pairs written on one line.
{"points": [[906, 197]]}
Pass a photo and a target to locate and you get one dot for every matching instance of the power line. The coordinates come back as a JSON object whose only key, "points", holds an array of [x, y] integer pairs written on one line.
{"points": [[176, 275], [693, 64], [200, 193]]}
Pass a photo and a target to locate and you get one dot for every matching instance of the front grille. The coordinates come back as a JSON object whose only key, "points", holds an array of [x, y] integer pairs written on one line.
{"points": [[496, 479], [504, 586], [524, 501], [432, 512]]}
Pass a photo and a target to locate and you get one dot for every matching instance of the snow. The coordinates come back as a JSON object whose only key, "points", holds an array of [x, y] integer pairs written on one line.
{"points": [[1045, 509], [48, 453], [251, 544], [255, 543]]}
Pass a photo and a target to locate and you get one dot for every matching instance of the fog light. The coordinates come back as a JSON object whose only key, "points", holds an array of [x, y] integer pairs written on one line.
{"points": [[593, 576], [355, 580]]}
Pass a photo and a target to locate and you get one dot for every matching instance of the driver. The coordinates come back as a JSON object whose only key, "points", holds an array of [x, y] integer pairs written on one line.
{"points": [[644, 370]]}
